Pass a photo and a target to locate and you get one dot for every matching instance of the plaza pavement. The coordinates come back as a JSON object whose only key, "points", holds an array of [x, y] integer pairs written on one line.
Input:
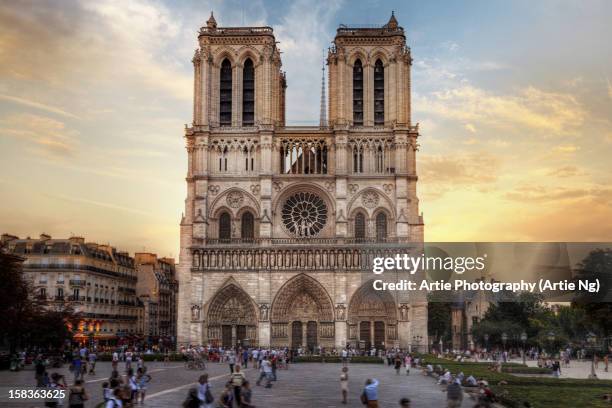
{"points": [[309, 385]]}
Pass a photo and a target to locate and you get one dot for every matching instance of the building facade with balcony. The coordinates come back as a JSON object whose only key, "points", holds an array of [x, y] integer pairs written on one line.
{"points": [[98, 281], [281, 223], [157, 289]]}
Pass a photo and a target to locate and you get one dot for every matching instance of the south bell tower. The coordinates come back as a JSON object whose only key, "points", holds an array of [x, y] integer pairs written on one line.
{"points": [[281, 222]]}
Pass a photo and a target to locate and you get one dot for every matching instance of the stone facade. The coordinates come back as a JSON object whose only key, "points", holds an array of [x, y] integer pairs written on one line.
{"points": [[157, 289], [98, 281], [281, 223]]}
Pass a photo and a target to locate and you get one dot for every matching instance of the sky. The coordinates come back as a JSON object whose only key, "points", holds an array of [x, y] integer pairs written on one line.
{"points": [[513, 99]]}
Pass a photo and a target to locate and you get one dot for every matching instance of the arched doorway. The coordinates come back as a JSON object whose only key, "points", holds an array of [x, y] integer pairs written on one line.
{"points": [[372, 318], [302, 315], [232, 319]]}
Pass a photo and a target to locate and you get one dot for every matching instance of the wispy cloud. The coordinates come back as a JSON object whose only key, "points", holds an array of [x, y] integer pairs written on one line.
{"points": [[531, 108], [102, 204], [37, 105], [50, 135]]}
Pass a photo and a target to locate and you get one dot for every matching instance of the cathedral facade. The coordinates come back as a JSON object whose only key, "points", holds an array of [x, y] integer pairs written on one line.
{"points": [[282, 223]]}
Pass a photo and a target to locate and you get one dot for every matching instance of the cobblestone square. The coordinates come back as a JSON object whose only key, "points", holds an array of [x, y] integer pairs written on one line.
{"points": [[302, 385]]}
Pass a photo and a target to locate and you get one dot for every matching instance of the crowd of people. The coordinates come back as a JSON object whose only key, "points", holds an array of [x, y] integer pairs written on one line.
{"points": [[129, 389]]}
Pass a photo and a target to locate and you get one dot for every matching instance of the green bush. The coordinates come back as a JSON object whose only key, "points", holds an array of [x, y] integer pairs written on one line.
{"points": [[541, 392]]}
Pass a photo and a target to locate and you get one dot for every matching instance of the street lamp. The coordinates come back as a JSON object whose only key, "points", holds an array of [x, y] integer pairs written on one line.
{"points": [[592, 339], [523, 339]]}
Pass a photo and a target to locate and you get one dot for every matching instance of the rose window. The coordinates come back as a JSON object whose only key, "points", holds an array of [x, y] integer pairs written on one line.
{"points": [[304, 214]]}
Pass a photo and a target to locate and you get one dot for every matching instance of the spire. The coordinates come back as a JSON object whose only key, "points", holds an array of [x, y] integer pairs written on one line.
{"points": [[211, 23], [323, 119], [392, 24]]}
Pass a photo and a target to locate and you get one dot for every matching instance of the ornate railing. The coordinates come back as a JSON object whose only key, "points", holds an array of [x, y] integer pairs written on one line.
{"points": [[313, 257], [300, 241]]}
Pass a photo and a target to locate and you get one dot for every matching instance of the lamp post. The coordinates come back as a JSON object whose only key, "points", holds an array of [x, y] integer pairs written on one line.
{"points": [[524, 339], [592, 339]]}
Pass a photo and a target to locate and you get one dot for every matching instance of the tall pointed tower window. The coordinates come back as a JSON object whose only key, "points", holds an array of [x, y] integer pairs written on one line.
{"points": [[225, 94], [358, 94], [248, 93], [379, 93]]}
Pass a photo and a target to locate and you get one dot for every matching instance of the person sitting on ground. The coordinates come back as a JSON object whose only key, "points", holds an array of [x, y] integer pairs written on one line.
{"points": [[445, 378], [471, 381]]}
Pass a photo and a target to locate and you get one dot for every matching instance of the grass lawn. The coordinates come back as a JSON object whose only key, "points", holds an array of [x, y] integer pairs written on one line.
{"points": [[540, 392]]}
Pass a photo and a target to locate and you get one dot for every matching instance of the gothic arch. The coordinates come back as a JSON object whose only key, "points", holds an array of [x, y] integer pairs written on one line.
{"points": [[221, 202], [381, 54], [358, 53], [248, 52], [302, 298], [231, 316], [384, 203], [372, 318], [368, 303], [223, 53]]}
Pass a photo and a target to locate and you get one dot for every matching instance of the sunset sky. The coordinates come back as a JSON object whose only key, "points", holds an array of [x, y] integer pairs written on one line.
{"points": [[514, 101]]}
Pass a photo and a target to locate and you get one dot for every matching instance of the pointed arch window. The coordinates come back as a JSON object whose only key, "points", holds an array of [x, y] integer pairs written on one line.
{"points": [[381, 227], [225, 94], [358, 93], [360, 226], [225, 227], [248, 93], [379, 93], [247, 231]]}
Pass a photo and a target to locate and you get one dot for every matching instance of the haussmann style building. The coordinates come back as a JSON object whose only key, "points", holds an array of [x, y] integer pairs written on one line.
{"points": [[281, 222]]}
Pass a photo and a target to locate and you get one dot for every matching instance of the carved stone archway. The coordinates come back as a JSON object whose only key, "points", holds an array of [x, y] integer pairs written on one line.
{"points": [[232, 318], [302, 315], [372, 317]]}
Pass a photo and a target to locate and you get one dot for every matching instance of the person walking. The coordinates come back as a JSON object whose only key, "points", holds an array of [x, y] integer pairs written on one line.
{"points": [[142, 380], [344, 384], [398, 364], [77, 395], [237, 379], [204, 392], [369, 396], [92, 362], [231, 359], [265, 372], [454, 394]]}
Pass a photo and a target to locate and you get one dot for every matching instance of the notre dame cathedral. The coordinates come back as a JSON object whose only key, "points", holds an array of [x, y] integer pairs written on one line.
{"points": [[281, 222]]}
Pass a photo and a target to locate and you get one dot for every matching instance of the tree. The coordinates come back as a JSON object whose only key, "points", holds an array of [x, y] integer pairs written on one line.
{"points": [[517, 313], [596, 306], [439, 316], [26, 319]]}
